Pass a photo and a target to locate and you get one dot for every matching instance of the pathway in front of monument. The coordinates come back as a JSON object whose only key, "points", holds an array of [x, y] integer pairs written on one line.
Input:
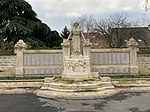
{"points": [[121, 102]]}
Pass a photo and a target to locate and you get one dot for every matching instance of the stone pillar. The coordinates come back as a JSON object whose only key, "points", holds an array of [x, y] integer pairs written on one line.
{"points": [[66, 54], [133, 47], [66, 48], [87, 56], [19, 47], [87, 48]]}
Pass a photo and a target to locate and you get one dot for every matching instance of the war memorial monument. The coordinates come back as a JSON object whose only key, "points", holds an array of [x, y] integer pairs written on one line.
{"points": [[77, 67]]}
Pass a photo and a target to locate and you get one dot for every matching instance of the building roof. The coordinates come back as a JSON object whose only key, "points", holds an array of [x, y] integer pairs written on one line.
{"points": [[140, 34], [97, 40]]}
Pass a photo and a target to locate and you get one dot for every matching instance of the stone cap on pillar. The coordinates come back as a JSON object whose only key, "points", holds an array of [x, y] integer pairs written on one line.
{"points": [[20, 45], [65, 43], [87, 43], [131, 43]]}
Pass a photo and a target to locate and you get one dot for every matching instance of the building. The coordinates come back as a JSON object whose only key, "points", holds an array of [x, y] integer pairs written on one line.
{"points": [[97, 39], [140, 34]]}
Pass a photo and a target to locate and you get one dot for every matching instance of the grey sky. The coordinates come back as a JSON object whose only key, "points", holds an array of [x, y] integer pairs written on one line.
{"points": [[60, 13]]}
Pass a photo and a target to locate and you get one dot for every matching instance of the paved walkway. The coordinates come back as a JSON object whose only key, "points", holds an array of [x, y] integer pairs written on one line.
{"points": [[74, 95], [89, 95], [28, 102]]}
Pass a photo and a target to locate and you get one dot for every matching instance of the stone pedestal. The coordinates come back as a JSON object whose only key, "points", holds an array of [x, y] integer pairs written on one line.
{"points": [[77, 67]]}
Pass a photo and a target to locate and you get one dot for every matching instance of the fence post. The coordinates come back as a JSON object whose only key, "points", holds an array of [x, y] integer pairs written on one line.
{"points": [[133, 47], [20, 46]]}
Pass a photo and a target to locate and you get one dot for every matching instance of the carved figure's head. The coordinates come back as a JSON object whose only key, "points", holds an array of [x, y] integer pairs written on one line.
{"points": [[76, 24]]}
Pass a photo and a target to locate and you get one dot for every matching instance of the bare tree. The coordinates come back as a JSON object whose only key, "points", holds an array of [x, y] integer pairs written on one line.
{"points": [[111, 28], [116, 28], [146, 5], [86, 22]]}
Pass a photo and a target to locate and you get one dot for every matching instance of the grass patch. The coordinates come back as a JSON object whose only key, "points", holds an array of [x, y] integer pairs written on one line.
{"points": [[129, 76], [143, 70]]}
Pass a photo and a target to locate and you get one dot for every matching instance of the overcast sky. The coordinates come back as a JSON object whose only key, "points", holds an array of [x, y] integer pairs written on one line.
{"points": [[60, 13]]}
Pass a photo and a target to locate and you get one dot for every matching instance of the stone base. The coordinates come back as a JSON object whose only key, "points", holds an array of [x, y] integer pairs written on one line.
{"points": [[77, 76], [78, 86], [77, 67], [95, 74], [19, 72], [134, 70]]}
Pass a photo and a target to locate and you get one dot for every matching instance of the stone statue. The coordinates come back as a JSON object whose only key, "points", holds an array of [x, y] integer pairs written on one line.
{"points": [[77, 39], [76, 55]]}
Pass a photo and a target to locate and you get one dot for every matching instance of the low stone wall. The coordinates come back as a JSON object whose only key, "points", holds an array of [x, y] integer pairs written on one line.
{"points": [[143, 55], [7, 62], [42, 62], [144, 60], [111, 61], [21, 83], [131, 82]]}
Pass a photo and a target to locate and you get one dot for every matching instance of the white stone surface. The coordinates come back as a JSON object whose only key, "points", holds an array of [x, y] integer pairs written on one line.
{"points": [[7, 62], [18, 84], [76, 53]]}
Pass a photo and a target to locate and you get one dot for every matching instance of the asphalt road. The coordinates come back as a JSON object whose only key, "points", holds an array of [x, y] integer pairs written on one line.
{"points": [[122, 102]]}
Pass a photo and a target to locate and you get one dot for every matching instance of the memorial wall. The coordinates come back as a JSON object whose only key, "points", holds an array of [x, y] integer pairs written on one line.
{"points": [[51, 62], [110, 61], [42, 62]]}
